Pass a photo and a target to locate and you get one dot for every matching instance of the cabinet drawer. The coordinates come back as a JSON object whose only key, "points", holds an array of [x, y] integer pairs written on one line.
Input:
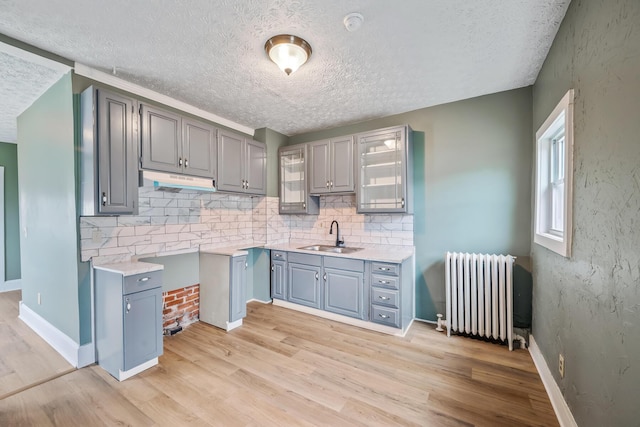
{"points": [[142, 282], [278, 256], [384, 268], [384, 297], [344, 263], [315, 260], [384, 281], [385, 316]]}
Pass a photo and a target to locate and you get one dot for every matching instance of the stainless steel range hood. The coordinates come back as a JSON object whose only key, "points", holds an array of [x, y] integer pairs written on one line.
{"points": [[175, 182]]}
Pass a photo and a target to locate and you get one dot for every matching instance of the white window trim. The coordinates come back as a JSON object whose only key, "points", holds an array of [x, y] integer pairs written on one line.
{"points": [[542, 234]]}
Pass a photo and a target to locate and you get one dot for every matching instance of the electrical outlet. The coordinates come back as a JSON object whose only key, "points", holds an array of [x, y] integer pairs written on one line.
{"points": [[561, 365], [39, 299]]}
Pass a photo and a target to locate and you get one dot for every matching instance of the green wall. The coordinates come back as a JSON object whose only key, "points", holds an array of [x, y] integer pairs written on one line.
{"points": [[273, 140], [48, 242], [9, 159], [472, 182], [587, 307]]}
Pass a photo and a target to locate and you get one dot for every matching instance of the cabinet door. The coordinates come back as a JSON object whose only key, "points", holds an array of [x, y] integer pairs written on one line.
{"points": [[341, 165], [238, 299], [161, 140], [344, 292], [278, 280], [256, 167], [199, 148], [303, 284], [293, 189], [142, 327], [319, 167], [117, 155], [230, 155]]}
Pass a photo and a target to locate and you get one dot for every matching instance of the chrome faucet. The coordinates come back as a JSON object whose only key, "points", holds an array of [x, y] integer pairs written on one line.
{"points": [[339, 243]]}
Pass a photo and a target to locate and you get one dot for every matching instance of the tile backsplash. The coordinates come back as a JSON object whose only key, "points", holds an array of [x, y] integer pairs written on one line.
{"points": [[169, 222]]}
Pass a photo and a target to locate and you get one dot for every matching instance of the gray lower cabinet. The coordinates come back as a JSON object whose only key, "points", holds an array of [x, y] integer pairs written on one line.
{"points": [[242, 164], [331, 167], [175, 144], [344, 286], [391, 290], [108, 154], [373, 291], [238, 298], [279, 275], [223, 282], [303, 279], [128, 319]]}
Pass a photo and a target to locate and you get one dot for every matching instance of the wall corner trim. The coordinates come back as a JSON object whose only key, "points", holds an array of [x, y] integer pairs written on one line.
{"points": [[565, 417], [75, 354]]}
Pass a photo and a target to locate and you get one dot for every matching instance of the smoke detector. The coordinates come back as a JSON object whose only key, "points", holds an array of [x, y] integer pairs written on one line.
{"points": [[353, 21]]}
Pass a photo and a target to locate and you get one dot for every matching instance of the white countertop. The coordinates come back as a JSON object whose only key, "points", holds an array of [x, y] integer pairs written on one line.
{"points": [[227, 251], [130, 268], [394, 254]]}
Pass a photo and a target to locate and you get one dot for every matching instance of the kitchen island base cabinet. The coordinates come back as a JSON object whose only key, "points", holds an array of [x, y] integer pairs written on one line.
{"points": [[128, 313], [223, 301]]}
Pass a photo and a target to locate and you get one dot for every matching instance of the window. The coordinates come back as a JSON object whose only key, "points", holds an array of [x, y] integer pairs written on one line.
{"points": [[554, 170]]}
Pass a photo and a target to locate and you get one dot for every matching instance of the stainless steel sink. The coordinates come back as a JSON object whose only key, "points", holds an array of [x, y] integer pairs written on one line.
{"points": [[327, 248]]}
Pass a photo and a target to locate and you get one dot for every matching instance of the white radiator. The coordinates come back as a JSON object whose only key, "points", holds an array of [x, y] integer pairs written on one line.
{"points": [[480, 295]]}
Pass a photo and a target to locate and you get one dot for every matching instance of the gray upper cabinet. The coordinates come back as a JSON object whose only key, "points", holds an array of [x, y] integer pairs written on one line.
{"points": [[198, 148], [331, 167], [294, 192], [161, 140], [242, 164], [176, 144], [385, 178], [108, 154]]}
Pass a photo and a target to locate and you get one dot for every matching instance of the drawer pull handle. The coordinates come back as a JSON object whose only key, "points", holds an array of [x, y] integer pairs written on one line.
{"points": [[278, 256], [384, 282], [143, 279], [384, 298], [384, 269], [384, 316]]}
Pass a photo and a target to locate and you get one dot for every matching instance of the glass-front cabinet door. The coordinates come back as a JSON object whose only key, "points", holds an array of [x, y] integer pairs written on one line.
{"points": [[293, 181], [384, 181]]}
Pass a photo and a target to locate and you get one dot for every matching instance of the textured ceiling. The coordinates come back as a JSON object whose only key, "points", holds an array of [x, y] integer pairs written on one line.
{"points": [[23, 79], [409, 54]]}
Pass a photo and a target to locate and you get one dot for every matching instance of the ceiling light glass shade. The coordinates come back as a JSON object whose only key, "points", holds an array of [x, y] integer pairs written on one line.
{"points": [[288, 52]]}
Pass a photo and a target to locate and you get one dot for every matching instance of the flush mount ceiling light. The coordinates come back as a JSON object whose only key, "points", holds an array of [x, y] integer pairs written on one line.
{"points": [[288, 52]]}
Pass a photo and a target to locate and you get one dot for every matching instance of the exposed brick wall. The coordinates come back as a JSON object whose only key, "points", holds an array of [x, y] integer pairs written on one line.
{"points": [[181, 306]]}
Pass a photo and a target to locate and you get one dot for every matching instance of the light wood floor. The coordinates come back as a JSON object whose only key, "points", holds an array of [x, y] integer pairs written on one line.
{"points": [[25, 358], [288, 368]]}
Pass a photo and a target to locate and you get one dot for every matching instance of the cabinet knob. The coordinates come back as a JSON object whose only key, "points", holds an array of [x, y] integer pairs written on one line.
{"points": [[331, 184], [128, 305], [325, 277], [273, 267], [186, 163], [402, 202], [327, 184], [247, 184], [179, 161], [317, 277], [104, 199], [304, 206]]}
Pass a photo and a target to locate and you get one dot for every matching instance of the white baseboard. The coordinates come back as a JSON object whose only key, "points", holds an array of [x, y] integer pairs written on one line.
{"points": [[343, 319], [565, 417], [123, 375], [233, 325], [75, 354], [259, 300], [11, 285]]}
